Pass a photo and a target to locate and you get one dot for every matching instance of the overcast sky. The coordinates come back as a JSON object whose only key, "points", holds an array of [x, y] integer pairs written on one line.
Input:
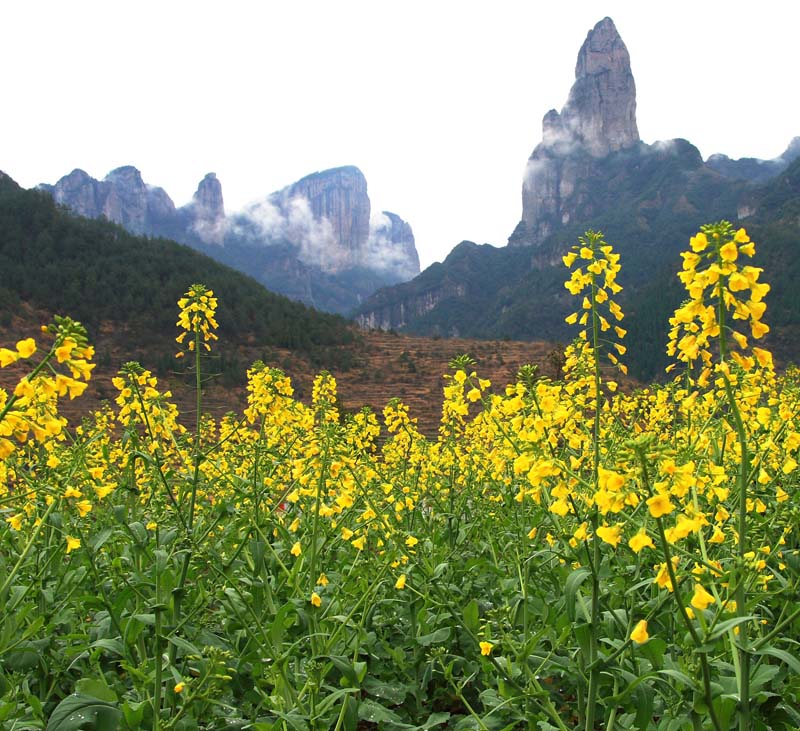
{"points": [[439, 103]]}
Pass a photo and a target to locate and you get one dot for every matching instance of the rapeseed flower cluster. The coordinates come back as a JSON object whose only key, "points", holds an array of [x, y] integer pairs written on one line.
{"points": [[197, 318], [723, 292], [596, 280], [627, 503]]}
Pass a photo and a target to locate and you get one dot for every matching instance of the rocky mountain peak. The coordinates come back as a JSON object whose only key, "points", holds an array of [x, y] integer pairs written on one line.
{"points": [[80, 192], [208, 211], [327, 215], [313, 240], [792, 152], [127, 176], [599, 118], [600, 113], [208, 195]]}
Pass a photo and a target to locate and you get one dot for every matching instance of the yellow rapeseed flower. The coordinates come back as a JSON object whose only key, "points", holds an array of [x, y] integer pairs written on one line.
{"points": [[701, 598], [401, 582], [610, 534], [699, 242], [7, 357], [486, 648], [26, 348], [296, 549], [729, 251], [639, 634], [660, 505], [640, 541], [315, 600], [73, 543]]}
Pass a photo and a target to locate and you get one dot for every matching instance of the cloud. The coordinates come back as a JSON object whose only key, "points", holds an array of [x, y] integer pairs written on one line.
{"points": [[280, 219], [388, 250], [388, 247]]}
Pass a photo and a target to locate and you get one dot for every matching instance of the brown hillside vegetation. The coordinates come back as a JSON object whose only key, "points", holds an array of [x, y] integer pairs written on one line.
{"points": [[385, 366]]}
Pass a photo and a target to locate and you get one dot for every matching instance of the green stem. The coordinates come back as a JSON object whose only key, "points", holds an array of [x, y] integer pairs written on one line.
{"points": [[158, 681], [25, 551], [594, 673], [742, 479], [696, 639]]}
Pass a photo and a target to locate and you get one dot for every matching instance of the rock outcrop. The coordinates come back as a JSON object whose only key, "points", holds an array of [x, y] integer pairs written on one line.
{"points": [[599, 118], [122, 197], [207, 216], [326, 216], [337, 197], [391, 247], [312, 241]]}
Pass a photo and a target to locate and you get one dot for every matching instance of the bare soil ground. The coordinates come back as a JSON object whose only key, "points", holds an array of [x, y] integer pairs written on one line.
{"points": [[387, 365]]}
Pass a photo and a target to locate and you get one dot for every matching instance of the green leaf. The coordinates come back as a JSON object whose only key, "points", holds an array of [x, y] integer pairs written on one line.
{"points": [[376, 713], [472, 616], [789, 659], [682, 678], [729, 624], [184, 645], [84, 712], [25, 655], [112, 645], [134, 713], [573, 584], [96, 689], [645, 700], [653, 650], [392, 692], [440, 635], [436, 719], [139, 532], [347, 668], [762, 676], [6, 709], [295, 721]]}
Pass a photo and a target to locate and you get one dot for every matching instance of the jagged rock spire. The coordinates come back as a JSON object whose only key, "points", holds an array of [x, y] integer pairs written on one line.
{"points": [[599, 118], [208, 211], [600, 113]]}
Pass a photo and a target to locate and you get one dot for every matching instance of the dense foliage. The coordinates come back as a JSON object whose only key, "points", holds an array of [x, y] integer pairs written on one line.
{"points": [[562, 556], [645, 202], [96, 272]]}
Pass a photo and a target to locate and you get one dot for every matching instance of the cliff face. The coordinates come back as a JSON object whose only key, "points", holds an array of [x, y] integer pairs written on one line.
{"points": [[336, 199], [391, 247], [122, 197], [313, 240], [207, 211], [589, 171], [599, 118]]}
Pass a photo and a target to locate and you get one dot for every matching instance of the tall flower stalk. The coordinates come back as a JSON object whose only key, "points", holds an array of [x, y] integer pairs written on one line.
{"points": [[711, 330], [596, 280]]}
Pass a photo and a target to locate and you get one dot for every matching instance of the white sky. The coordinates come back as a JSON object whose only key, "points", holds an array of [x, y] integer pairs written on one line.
{"points": [[438, 102]]}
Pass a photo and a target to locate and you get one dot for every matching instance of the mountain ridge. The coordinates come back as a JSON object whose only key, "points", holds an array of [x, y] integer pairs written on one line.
{"points": [[315, 240], [590, 171]]}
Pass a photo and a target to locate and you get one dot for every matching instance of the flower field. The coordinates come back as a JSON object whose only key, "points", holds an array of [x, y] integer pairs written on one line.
{"points": [[563, 556]]}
